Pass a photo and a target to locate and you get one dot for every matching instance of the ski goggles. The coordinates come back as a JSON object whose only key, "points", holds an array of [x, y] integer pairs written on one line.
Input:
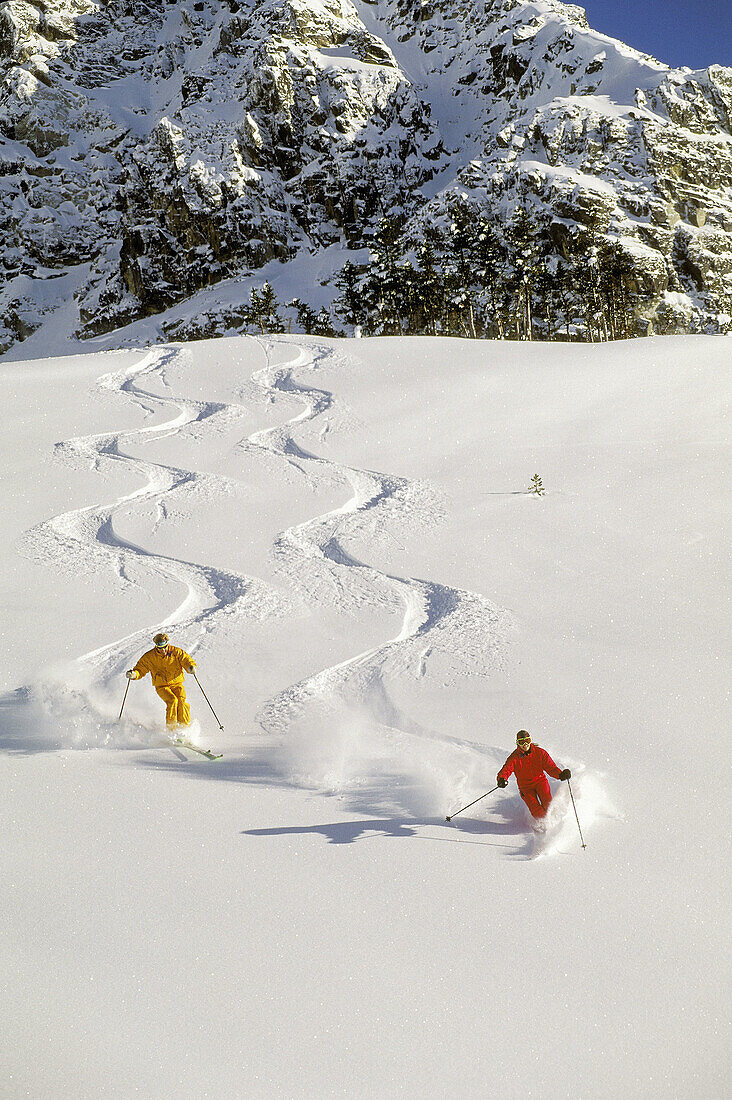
{"points": [[524, 742]]}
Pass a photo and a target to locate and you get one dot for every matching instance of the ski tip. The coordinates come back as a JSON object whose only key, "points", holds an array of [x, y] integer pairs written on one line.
{"points": [[180, 743]]}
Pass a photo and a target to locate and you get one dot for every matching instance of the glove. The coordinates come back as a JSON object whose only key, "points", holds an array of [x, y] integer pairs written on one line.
{"points": [[566, 774], [502, 782], [131, 674]]}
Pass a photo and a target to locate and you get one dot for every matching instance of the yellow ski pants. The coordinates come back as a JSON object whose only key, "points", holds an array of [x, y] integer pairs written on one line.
{"points": [[177, 711]]}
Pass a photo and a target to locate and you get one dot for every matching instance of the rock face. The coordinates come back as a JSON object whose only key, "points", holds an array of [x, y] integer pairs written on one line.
{"points": [[148, 151]]}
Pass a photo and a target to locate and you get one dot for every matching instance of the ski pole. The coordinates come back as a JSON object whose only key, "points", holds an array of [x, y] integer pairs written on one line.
{"points": [[575, 814], [451, 816], [207, 699], [124, 701]]}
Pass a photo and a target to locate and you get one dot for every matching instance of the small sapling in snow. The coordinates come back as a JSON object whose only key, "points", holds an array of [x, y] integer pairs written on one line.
{"points": [[536, 486]]}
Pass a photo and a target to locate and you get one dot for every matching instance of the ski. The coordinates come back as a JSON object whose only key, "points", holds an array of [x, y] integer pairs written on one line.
{"points": [[181, 744]]}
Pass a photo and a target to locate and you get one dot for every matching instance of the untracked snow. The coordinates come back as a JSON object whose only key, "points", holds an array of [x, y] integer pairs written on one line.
{"points": [[342, 535]]}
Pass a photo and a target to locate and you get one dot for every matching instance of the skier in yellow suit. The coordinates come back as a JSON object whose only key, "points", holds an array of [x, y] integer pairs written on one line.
{"points": [[166, 664]]}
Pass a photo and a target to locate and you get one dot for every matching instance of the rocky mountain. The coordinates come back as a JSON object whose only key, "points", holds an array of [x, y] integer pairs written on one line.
{"points": [[150, 152]]}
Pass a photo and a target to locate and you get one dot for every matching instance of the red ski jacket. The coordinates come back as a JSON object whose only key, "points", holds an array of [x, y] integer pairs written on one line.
{"points": [[529, 767]]}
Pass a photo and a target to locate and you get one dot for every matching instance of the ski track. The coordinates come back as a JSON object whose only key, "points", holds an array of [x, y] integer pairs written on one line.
{"points": [[315, 558], [435, 617], [85, 539]]}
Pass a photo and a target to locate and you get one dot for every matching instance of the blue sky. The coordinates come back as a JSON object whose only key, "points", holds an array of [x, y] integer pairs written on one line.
{"points": [[696, 33]]}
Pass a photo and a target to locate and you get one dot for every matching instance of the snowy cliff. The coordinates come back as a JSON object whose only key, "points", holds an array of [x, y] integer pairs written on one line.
{"points": [[148, 152]]}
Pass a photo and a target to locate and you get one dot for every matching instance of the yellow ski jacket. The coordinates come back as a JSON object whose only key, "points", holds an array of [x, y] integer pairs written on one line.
{"points": [[165, 667]]}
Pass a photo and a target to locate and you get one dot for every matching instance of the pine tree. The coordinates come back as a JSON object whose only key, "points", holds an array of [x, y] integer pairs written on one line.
{"points": [[489, 273], [263, 309], [564, 298], [387, 251], [524, 251], [615, 273], [351, 305], [429, 291]]}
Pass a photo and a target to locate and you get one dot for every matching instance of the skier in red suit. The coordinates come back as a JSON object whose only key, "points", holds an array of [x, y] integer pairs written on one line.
{"points": [[529, 763]]}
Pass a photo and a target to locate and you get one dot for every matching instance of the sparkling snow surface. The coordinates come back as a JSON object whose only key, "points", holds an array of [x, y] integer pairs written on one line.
{"points": [[341, 534]]}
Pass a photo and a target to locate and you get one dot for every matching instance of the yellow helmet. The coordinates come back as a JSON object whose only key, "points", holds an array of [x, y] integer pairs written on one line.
{"points": [[161, 640]]}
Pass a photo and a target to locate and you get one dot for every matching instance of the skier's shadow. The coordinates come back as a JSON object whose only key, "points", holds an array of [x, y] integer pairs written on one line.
{"points": [[348, 832]]}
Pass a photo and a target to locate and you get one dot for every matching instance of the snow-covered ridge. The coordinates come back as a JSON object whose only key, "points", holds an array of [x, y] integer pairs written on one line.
{"points": [[149, 153]]}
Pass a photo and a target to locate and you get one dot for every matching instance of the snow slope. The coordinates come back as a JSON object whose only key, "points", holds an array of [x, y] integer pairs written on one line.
{"points": [[340, 532]]}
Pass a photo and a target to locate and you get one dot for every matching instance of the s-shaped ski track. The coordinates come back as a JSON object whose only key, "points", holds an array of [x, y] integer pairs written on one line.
{"points": [[434, 617]]}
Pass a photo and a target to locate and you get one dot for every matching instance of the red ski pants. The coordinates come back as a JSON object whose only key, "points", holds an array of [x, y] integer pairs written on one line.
{"points": [[177, 711], [538, 797]]}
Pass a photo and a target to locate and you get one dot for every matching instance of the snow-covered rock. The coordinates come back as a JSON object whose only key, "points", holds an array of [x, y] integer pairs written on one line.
{"points": [[148, 153]]}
